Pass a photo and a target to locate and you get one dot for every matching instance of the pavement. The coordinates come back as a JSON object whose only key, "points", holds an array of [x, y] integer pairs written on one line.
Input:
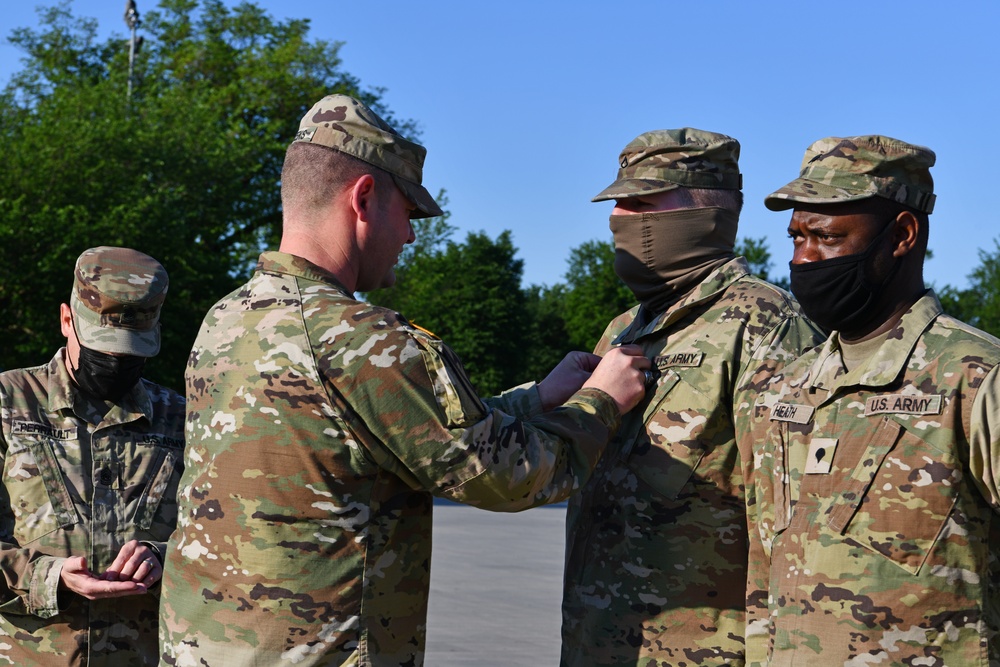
{"points": [[496, 587]]}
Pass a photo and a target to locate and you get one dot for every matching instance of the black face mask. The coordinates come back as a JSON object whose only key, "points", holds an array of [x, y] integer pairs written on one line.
{"points": [[835, 293], [106, 376]]}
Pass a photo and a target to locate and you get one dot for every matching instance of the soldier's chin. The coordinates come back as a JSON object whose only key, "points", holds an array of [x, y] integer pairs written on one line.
{"points": [[389, 279]]}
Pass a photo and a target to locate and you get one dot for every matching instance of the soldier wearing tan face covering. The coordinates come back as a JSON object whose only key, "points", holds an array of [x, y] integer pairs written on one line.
{"points": [[656, 541]]}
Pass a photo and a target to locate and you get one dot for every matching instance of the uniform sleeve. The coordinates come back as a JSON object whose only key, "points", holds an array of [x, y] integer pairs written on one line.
{"points": [[770, 353], [522, 401], [30, 581], [984, 438], [412, 405], [758, 576], [750, 434]]}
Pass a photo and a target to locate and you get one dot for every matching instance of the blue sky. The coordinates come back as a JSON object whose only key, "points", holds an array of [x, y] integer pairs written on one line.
{"points": [[524, 106]]}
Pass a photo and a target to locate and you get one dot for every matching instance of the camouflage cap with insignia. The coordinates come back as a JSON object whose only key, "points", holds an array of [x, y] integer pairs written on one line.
{"points": [[116, 300], [662, 160], [345, 124], [842, 169]]}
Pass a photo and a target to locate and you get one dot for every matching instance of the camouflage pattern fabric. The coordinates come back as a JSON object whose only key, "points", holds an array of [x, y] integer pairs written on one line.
{"points": [[116, 300], [319, 429], [76, 483], [343, 123], [663, 160], [875, 502], [842, 169], [656, 542]]}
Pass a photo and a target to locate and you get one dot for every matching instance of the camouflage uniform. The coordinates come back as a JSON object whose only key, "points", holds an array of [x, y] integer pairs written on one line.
{"points": [[875, 502], [79, 482], [656, 551], [877, 540], [657, 540], [320, 428]]}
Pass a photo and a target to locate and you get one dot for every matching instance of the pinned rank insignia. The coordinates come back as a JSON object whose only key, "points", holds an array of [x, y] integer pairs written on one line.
{"points": [[820, 457]]}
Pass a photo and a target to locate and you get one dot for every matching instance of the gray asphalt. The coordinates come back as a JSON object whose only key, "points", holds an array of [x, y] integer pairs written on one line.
{"points": [[496, 585]]}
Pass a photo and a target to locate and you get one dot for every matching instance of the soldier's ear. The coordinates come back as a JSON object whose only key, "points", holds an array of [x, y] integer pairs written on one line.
{"points": [[363, 196], [65, 320], [905, 234]]}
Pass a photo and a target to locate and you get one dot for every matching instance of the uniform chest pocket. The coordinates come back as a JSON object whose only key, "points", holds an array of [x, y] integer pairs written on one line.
{"points": [[768, 498], [151, 490], [39, 499], [899, 496], [664, 449]]}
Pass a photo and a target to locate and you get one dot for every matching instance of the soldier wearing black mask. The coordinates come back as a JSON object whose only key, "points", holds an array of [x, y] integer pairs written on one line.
{"points": [[877, 477], [92, 458]]}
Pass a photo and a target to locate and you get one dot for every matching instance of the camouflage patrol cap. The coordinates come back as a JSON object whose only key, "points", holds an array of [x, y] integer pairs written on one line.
{"points": [[662, 160], [845, 169], [117, 294], [345, 124]]}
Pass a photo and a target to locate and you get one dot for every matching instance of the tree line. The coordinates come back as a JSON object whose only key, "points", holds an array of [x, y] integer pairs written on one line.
{"points": [[186, 169]]}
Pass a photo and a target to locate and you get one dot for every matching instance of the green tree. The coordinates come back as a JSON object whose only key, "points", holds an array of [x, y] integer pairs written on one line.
{"points": [[547, 340], [758, 256], [431, 239], [470, 295], [186, 172], [979, 305], [594, 294]]}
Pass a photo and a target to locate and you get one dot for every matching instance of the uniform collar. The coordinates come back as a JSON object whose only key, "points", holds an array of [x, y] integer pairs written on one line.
{"points": [[707, 290], [61, 389], [63, 394], [827, 371], [273, 261]]}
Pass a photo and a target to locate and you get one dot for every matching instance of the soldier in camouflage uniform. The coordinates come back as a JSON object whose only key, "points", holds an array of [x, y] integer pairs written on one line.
{"points": [[656, 542], [321, 427], [875, 502], [91, 460]]}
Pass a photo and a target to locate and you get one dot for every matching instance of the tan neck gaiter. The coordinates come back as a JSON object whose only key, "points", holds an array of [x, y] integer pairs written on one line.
{"points": [[662, 256]]}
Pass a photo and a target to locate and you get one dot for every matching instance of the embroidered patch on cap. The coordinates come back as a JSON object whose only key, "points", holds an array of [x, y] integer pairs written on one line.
{"points": [[791, 412], [907, 404], [820, 457]]}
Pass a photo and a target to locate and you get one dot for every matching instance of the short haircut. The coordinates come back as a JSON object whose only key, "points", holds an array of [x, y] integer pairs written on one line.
{"points": [[715, 198], [313, 175]]}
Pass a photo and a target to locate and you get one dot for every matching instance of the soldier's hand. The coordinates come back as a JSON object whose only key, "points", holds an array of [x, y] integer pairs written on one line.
{"points": [[76, 577], [135, 562], [622, 375], [566, 378]]}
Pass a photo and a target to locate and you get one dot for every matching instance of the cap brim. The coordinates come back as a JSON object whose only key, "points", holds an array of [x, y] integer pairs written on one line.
{"points": [[113, 340], [805, 191], [419, 197], [634, 187]]}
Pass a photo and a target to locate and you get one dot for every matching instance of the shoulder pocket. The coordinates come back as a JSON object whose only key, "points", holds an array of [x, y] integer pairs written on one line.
{"points": [[452, 389]]}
